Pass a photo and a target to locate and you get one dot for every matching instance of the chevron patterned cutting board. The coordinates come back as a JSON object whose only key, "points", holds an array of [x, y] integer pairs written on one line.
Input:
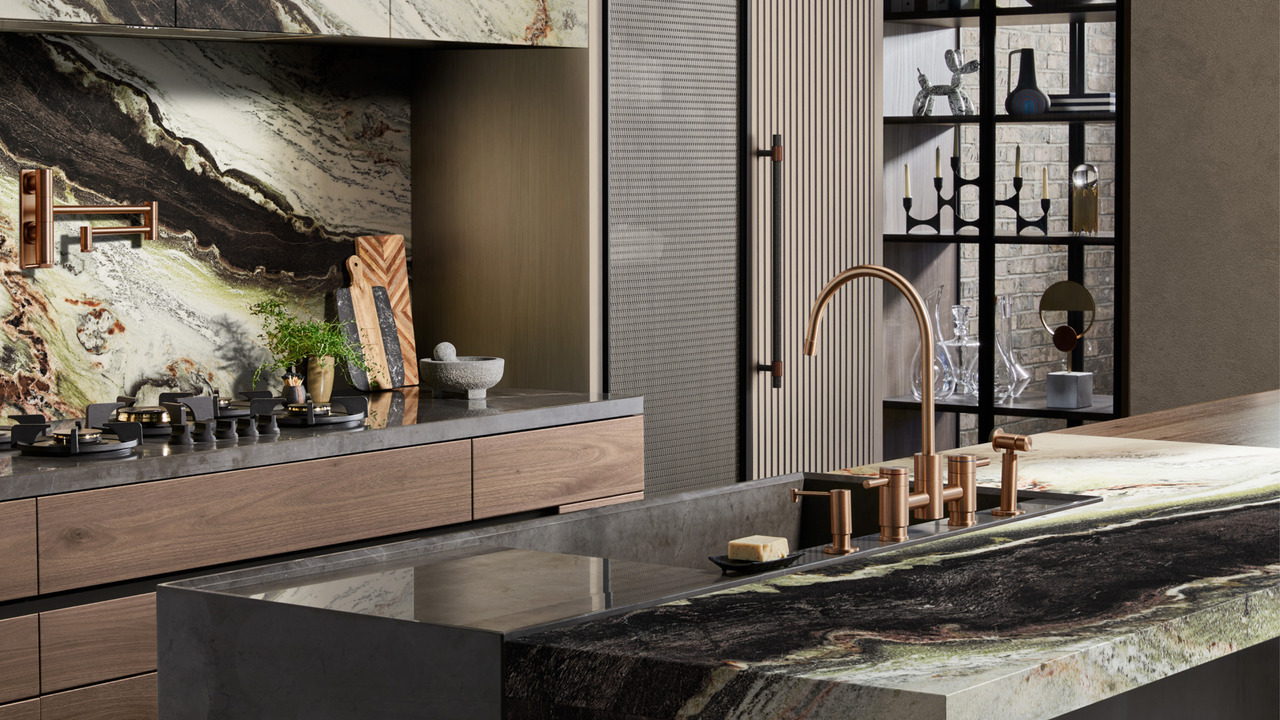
{"points": [[384, 264]]}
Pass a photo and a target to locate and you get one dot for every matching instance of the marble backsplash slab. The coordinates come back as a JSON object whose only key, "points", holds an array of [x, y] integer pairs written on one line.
{"points": [[116, 12], [266, 161], [561, 23], [367, 18]]}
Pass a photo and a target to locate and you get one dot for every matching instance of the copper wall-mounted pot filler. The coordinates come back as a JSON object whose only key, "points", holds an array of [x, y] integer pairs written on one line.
{"points": [[36, 210]]}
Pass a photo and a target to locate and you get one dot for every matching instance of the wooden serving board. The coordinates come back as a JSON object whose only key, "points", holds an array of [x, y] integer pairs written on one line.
{"points": [[365, 311], [384, 264]]}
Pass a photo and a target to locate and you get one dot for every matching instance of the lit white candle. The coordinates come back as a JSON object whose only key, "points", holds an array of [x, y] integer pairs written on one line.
{"points": [[1017, 162], [937, 162], [906, 178]]}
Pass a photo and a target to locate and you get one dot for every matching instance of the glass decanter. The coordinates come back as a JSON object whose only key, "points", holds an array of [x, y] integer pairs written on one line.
{"points": [[944, 374], [964, 351], [1011, 378]]}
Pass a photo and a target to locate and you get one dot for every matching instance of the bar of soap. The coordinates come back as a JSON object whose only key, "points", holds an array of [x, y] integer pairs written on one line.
{"points": [[758, 548]]}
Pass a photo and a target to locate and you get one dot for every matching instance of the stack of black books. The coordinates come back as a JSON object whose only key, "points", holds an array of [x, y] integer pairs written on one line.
{"points": [[1087, 102]]}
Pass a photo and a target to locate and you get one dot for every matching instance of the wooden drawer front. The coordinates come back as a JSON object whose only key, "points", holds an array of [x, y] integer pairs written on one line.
{"points": [[19, 658], [25, 710], [97, 642], [101, 536], [134, 698], [17, 549], [558, 466]]}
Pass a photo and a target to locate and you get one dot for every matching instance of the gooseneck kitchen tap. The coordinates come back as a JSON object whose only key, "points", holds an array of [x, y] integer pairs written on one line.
{"points": [[928, 466]]}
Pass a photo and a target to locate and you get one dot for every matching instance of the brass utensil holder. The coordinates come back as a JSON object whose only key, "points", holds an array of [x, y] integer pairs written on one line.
{"points": [[37, 211]]}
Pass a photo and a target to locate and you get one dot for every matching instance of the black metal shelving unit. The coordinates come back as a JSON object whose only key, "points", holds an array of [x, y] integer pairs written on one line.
{"points": [[988, 19]]}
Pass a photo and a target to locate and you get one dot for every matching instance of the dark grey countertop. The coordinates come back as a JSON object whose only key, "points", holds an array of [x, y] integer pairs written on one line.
{"points": [[435, 421]]}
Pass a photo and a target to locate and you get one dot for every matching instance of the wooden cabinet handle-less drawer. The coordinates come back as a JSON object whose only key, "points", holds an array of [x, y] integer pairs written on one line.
{"points": [[96, 642], [100, 536], [558, 466], [134, 698], [25, 710], [17, 549], [19, 658]]}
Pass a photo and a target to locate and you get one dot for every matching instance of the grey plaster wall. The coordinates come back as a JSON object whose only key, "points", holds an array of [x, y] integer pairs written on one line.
{"points": [[1205, 201]]}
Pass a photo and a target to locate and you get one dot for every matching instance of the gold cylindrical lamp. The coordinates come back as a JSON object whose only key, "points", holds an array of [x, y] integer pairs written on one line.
{"points": [[1084, 200]]}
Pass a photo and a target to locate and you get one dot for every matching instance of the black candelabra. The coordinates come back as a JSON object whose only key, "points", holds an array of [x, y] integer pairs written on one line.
{"points": [[1013, 202], [952, 202]]}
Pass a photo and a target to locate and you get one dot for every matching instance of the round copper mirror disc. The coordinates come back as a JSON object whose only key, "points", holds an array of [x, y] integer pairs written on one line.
{"points": [[1064, 338]]}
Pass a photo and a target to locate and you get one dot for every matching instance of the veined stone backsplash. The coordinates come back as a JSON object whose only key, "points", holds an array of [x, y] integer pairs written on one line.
{"points": [[267, 160]]}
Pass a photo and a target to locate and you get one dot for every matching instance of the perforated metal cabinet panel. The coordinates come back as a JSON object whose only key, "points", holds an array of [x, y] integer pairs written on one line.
{"points": [[673, 242]]}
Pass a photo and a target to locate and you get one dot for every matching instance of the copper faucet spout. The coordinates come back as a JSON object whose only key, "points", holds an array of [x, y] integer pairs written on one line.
{"points": [[922, 320]]}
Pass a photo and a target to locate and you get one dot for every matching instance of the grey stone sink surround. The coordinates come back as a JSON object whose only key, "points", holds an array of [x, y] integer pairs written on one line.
{"points": [[333, 636], [442, 420]]}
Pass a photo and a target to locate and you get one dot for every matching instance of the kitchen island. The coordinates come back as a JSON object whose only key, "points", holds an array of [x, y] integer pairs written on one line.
{"points": [[1177, 567]]}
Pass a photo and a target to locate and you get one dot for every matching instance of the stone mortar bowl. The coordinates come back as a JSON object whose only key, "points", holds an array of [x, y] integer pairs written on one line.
{"points": [[472, 374]]}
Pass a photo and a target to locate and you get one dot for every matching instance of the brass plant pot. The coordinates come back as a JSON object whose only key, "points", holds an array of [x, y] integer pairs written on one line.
{"points": [[320, 378]]}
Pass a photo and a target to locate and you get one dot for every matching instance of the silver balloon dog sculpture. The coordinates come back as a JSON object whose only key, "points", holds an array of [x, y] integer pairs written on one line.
{"points": [[960, 102]]}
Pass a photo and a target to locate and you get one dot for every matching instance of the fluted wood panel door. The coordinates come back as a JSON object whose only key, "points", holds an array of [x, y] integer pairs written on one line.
{"points": [[814, 77]]}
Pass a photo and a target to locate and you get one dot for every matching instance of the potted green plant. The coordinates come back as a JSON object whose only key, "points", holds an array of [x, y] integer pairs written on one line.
{"points": [[292, 340]]}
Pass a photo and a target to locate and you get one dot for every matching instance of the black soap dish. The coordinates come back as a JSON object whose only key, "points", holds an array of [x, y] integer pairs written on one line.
{"points": [[747, 567]]}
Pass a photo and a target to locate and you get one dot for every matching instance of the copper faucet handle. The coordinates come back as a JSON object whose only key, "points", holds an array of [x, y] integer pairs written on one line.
{"points": [[795, 494], [982, 462], [875, 482], [1010, 444], [1001, 440]]}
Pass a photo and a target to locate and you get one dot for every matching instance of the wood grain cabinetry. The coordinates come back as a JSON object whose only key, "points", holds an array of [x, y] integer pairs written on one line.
{"points": [[19, 658], [17, 549], [102, 536], [25, 710], [557, 466], [133, 698], [96, 642]]}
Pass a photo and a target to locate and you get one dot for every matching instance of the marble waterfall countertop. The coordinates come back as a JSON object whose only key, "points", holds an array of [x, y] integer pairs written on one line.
{"points": [[1179, 564], [403, 418]]}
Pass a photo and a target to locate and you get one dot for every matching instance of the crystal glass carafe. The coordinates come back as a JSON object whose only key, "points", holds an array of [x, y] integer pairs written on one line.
{"points": [[964, 351], [944, 374], [1011, 378]]}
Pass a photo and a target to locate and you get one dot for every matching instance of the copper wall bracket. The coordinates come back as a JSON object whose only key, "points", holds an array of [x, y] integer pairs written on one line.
{"points": [[37, 211]]}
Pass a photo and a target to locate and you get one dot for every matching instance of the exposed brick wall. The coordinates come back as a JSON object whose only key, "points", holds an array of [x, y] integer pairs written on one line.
{"points": [[1024, 271]]}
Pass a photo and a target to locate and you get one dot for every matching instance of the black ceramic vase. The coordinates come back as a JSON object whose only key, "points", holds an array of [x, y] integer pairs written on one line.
{"points": [[1026, 98]]}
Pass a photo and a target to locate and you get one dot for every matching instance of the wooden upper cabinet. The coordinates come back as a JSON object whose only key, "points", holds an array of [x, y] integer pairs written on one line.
{"points": [[557, 466], [350, 18], [17, 549], [559, 23], [100, 536], [115, 12]]}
